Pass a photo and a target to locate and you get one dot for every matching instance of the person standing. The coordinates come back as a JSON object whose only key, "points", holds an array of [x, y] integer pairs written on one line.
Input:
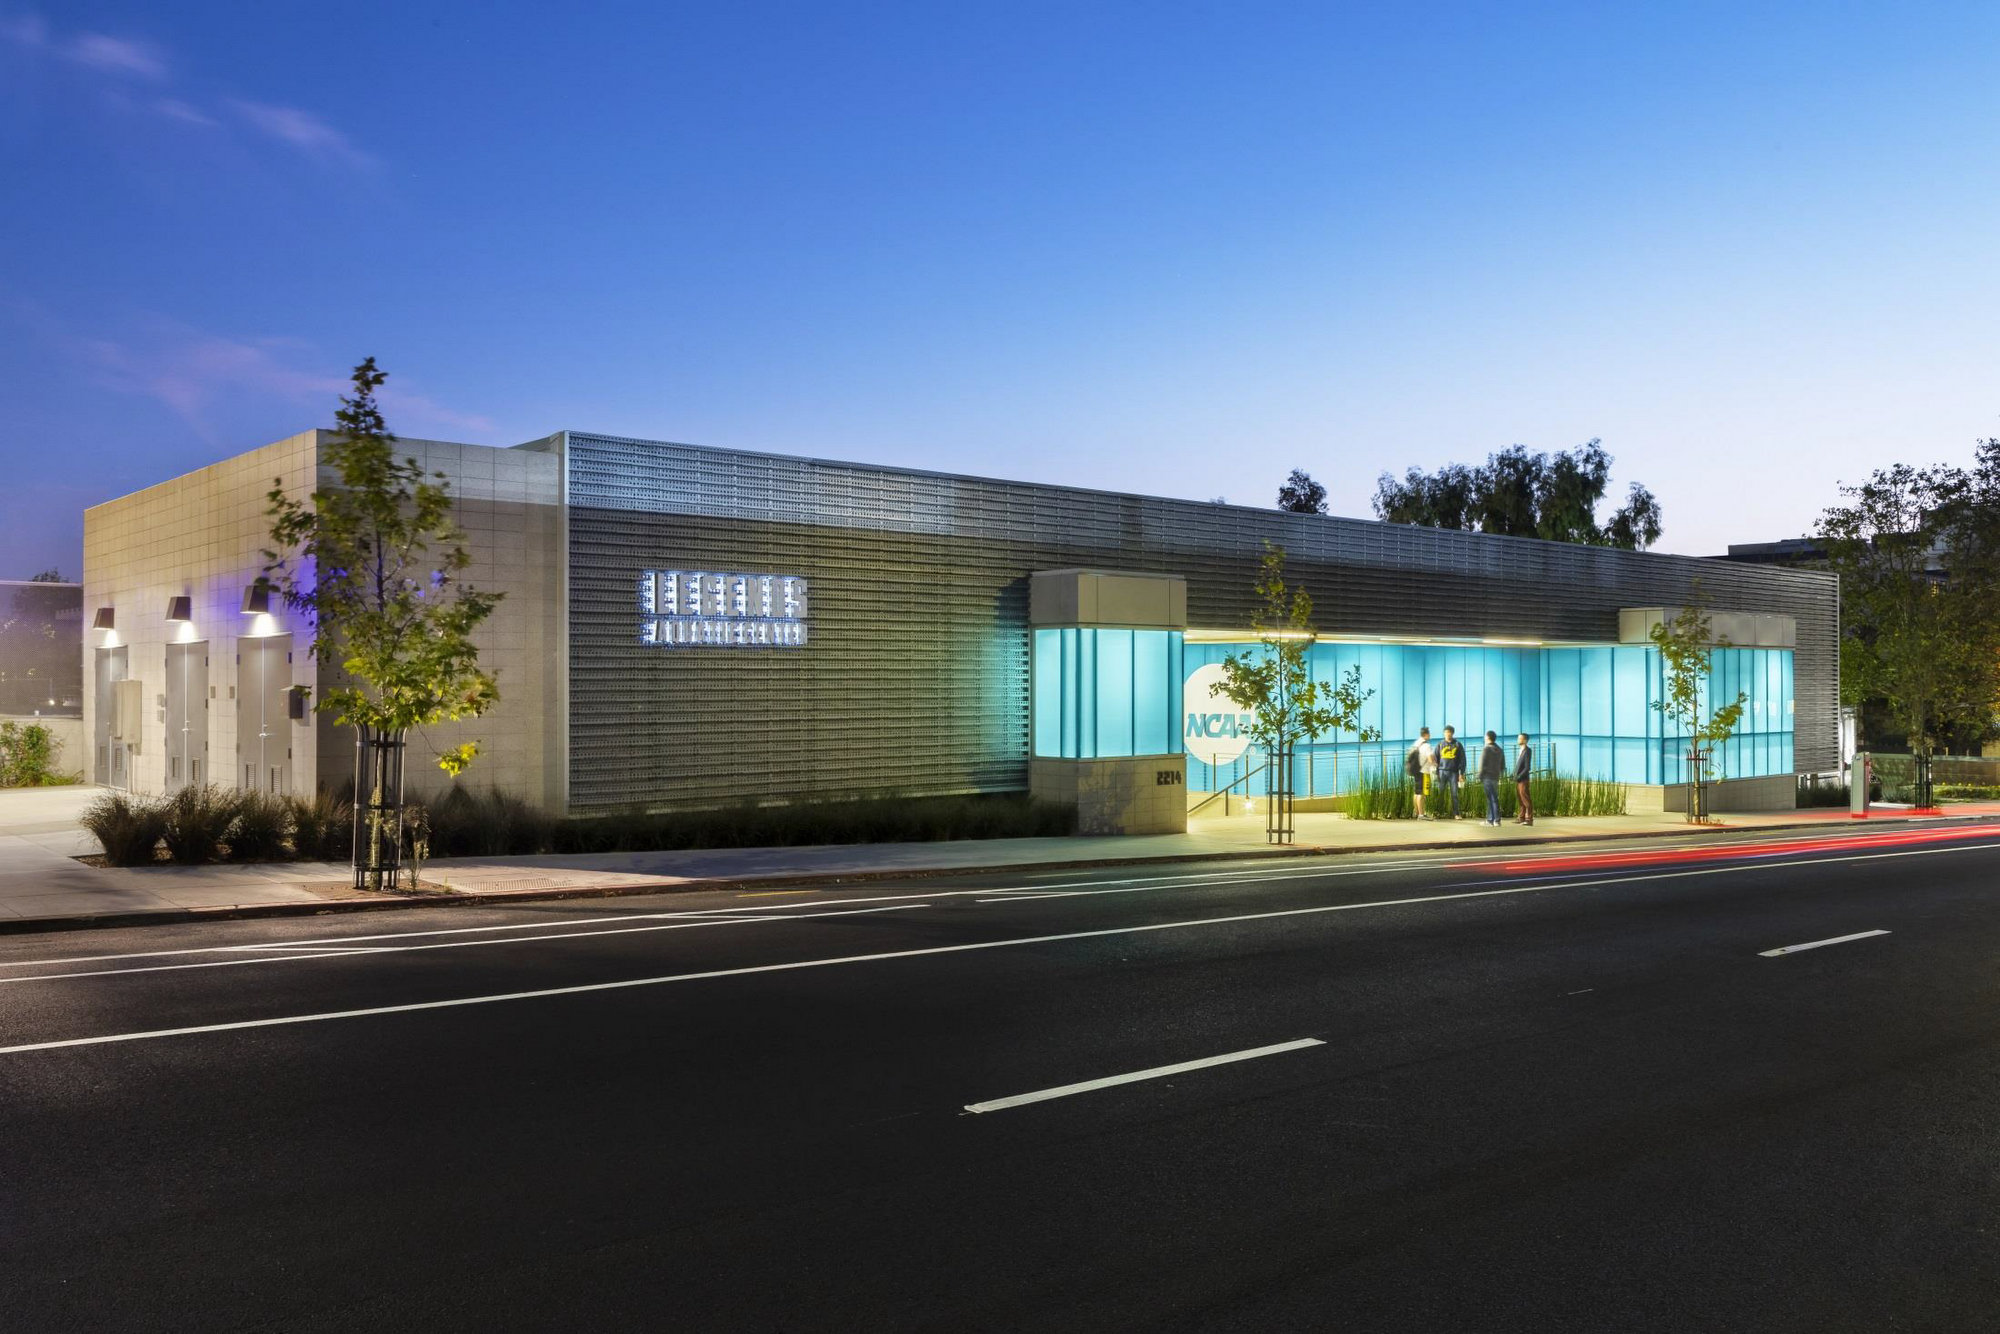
{"points": [[1524, 758], [1451, 766], [1427, 764], [1492, 764], [1429, 755]]}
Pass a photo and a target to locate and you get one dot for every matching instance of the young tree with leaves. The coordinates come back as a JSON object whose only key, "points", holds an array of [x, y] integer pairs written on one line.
{"points": [[1274, 683], [374, 564], [1687, 660]]}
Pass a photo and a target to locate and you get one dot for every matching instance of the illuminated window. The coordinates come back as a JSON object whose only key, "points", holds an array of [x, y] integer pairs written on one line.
{"points": [[1100, 694]]}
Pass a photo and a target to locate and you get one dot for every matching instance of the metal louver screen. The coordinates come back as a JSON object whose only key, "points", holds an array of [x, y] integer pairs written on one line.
{"points": [[915, 678]]}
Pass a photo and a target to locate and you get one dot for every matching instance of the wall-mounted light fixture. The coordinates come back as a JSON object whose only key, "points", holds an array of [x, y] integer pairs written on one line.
{"points": [[257, 598], [180, 608], [106, 620]]}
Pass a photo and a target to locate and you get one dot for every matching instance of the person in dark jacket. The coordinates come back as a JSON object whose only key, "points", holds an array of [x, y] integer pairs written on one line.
{"points": [[1524, 758], [1451, 766], [1492, 764]]}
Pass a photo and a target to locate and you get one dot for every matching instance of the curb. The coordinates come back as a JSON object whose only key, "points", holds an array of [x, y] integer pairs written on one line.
{"points": [[712, 884]]}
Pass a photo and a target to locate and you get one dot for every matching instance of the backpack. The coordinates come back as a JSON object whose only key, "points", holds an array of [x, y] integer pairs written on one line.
{"points": [[1413, 764]]}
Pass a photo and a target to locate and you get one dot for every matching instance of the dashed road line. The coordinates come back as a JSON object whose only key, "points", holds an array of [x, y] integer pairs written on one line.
{"points": [[1817, 944], [1133, 1077]]}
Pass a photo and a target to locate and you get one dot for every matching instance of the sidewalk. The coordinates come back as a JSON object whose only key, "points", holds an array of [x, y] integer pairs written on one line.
{"points": [[42, 884]]}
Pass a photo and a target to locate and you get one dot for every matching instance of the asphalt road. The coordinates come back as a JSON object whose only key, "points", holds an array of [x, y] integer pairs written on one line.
{"points": [[1548, 1091]]}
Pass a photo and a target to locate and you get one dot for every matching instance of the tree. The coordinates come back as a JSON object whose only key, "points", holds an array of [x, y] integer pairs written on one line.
{"points": [[1274, 683], [1519, 494], [1301, 494], [1687, 657], [1917, 551], [374, 565], [1444, 499]]}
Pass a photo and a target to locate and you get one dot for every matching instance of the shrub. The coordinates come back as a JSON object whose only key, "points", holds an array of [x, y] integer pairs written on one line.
{"points": [[27, 757], [465, 823], [869, 820], [198, 818], [1556, 795], [1383, 796], [129, 828], [1822, 794], [322, 827], [259, 832], [1389, 797]]}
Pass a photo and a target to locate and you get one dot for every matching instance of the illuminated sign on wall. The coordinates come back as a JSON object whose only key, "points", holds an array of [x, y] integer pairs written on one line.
{"points": [[1218, 729], [694, 608]]}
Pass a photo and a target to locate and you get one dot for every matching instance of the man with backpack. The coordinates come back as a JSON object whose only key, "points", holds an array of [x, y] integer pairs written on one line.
{"points": [[1451, 767], [1418, 765]]}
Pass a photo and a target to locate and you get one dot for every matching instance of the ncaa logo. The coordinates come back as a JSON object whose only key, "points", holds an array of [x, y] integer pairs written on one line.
{"points": [[1218, 729]]}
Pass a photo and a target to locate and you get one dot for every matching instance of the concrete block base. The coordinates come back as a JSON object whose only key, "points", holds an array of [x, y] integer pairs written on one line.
{"points": [[1140, 794], [1770, 792]]}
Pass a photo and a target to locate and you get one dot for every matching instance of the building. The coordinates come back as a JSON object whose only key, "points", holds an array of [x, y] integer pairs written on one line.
{"points": [[1785, 551], [41, 682], [41, 622], [686, 626]]}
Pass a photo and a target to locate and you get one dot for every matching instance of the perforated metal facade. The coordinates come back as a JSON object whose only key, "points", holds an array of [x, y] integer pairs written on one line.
{"points": [[916, 676]]}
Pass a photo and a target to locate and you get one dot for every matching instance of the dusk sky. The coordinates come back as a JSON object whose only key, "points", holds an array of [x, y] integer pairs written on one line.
{"points": [[1170, 248]]}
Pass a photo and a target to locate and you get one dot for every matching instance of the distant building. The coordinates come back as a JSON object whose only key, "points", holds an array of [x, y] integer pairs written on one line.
{"points": [[1787, 551], [41, 649]]}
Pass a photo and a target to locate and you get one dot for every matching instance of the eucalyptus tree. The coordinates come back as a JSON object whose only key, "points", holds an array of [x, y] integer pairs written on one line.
{"points": [[1516, 493]]}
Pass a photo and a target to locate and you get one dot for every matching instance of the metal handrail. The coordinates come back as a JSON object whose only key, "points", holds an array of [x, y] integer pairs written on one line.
{"points": [[1225, 788]]}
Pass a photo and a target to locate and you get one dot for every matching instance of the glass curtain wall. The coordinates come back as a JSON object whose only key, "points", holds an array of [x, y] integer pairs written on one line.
{"points": [[1588, 711]]}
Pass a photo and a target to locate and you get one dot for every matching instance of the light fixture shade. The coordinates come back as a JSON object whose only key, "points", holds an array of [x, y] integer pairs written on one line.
{"points": [[180, 608], [257, 599], [105, 620]]}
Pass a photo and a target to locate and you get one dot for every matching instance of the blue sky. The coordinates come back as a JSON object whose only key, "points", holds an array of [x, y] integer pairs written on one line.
{"points": [[1173, 248]]}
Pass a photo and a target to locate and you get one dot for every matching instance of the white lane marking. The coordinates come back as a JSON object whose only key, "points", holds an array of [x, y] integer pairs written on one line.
{"points": [[1585, 991], [1815, 944], [1023, 897], [1157, 1072], [307, 953], [710, 974]]}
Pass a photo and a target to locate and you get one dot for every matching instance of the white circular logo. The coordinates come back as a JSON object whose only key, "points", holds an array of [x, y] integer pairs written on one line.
{"points": [[1218, 728]]}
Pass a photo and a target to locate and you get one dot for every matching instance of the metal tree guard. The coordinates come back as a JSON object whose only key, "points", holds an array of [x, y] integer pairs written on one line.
{"points": [[1279, 796], [378, 809], [1697, 759]]}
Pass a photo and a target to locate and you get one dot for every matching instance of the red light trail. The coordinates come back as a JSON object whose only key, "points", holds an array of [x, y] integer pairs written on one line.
{"points": [[1734, 852]]}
